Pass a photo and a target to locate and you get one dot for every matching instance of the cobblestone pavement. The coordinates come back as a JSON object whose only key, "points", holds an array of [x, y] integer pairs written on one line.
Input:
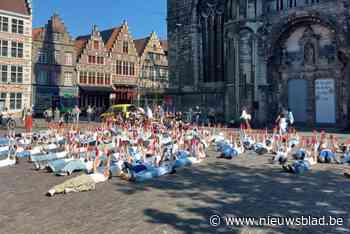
{"points": [[179, 203]]}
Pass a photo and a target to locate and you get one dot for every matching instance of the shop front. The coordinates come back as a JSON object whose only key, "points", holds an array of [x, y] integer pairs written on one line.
{"points": [[64, 98], [96, 97], [124, 95]]}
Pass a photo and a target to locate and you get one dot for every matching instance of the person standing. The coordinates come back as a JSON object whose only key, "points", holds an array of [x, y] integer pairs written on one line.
{"points": [[161, 114], [211, 116], [197, 115], [76, 114], [290, 118], [28, 121], [89, 113], [282, 124], [24, 113], [190, 113], [245, 119], [149, 113], [57, 115], [48, 114]]}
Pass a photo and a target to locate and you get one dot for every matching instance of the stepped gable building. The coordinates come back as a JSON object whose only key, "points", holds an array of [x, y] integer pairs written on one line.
{"points": [[262, 54], [54, 61], [94, 70], [15, 55], [153, 69], [125, 63]]}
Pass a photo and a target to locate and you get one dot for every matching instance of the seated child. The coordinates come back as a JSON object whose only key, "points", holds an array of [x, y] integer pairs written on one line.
{"points": [[282, 154], [326, 153]]}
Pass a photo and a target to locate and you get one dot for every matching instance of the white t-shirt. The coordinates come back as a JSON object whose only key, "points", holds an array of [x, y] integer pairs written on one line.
{"points": [[283, 123], [245, 115]]}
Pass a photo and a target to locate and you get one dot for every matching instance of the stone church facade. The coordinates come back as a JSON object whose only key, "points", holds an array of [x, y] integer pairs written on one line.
{"points": [[264, 55]]}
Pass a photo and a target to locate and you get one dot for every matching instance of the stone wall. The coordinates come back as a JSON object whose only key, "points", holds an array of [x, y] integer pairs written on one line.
{"points": [[263, 48]]}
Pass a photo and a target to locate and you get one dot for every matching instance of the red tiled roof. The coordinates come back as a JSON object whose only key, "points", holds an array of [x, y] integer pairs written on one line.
{"points": [[36, 33], [140, 45], [109, 36], [17, 6]]}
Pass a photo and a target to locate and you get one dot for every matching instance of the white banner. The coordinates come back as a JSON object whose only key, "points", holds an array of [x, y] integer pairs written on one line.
{"points": [[325, 101]]}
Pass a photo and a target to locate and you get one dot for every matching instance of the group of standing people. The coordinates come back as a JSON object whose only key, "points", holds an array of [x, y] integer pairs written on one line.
{"points": [[284, 121], [57, 116]]}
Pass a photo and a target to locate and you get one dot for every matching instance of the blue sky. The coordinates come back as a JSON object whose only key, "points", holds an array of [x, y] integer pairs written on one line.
{"points": [[143, 16]]}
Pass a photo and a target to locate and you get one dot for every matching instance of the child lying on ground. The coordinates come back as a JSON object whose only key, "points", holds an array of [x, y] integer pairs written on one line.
{"points": [[84, 182], [229, 151], [305, 158]]}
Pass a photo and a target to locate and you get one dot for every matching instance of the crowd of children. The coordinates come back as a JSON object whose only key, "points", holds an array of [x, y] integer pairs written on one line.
{"points": [[140, 147]]}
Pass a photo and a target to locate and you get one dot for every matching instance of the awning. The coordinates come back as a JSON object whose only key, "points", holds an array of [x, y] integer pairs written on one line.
{"points": [[95, 89]]}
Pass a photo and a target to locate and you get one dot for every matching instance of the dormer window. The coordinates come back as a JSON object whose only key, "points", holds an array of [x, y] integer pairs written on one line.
{"points": [[125, 47]]}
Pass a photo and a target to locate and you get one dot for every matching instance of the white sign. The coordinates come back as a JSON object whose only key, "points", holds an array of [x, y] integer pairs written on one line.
{"points": [[325, 101]]}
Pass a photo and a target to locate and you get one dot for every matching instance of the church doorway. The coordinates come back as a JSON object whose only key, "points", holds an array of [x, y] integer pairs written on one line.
{"points": [[297, 99]]}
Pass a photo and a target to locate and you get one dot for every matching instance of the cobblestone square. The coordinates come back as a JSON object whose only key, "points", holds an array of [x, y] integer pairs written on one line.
{"points": [[179, 203]]}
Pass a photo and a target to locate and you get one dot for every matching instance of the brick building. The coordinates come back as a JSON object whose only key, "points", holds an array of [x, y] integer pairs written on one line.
{"points": [[54, 61], [15, 55], [262, 54], [125, 63], [153, 69], [94, 70]]}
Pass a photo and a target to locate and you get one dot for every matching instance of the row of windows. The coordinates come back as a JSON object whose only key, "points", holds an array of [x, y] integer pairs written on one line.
{"points": [[17, 26], [151, 72], [15, 100], [154, 56], [94, 78], [46, 78], [16, 49], [96, 59], [13, 74], [125, 68], [44, 57], [284, 4]]}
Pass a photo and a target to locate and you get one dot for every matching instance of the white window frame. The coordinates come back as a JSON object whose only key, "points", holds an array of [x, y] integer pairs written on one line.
{"points": [[3, 48], [3, 23], [17, 47], [68, 79], [42, 56], [69, 58], [16, 101], [4, 72], [16, 74], [56, 57], [17, 26]]}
